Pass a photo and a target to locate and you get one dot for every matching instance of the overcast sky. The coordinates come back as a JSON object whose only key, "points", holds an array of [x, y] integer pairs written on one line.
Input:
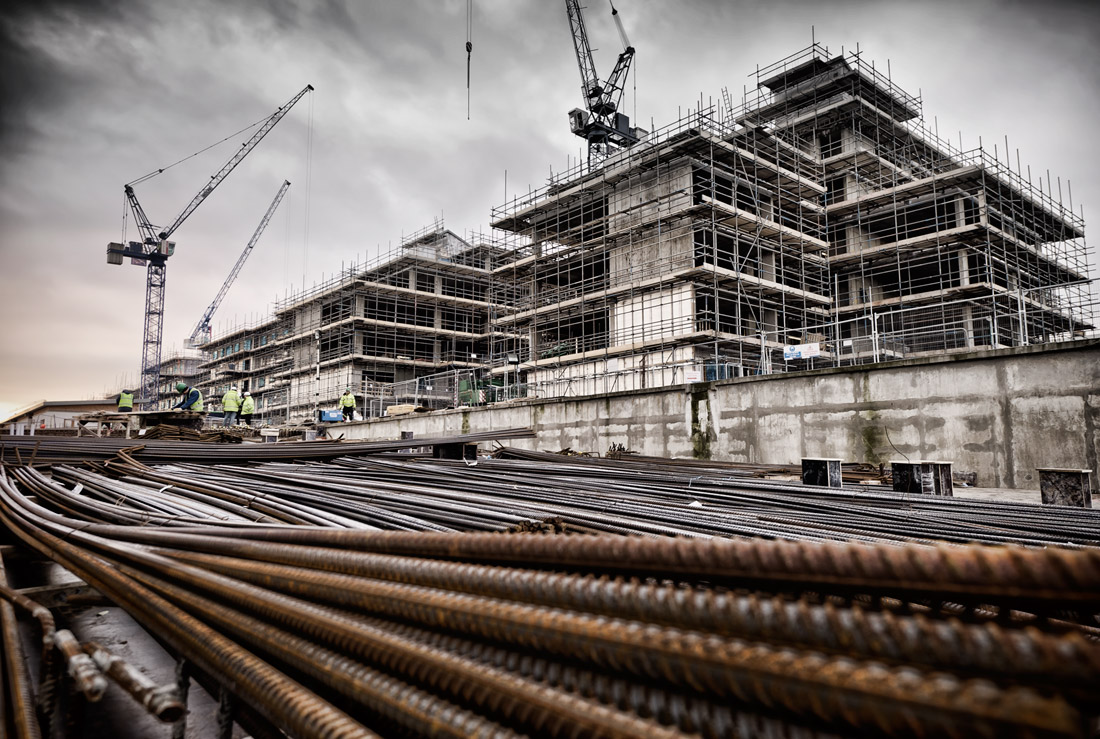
{"points": [[96, 93]]}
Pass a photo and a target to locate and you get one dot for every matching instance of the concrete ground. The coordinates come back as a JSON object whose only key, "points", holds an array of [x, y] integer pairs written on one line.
{"points": [[1003, 495]]}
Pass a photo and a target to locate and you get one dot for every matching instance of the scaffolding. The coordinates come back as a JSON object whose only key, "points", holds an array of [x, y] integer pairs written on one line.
{"points": [[818, 223], [418, 310]]}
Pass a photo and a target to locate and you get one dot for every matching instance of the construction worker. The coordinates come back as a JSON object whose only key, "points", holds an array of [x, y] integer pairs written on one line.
{"points": [[347, 405], [231, 403], [126, 401], [192, 398], [248, 407]]}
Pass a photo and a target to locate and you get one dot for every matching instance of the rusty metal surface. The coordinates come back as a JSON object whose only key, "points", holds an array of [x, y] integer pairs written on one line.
{"points": [[335, 631]]}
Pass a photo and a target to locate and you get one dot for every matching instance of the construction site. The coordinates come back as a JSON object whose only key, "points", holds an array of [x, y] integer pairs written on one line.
{"points": [[777, 420]]}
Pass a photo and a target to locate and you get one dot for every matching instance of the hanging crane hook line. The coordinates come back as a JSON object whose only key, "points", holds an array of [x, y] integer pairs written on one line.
{"points": [[469, 49], [155, 172]]}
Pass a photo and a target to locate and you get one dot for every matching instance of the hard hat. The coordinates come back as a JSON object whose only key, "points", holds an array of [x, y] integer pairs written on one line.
{"points": [[246, 393], [347, 390], [181, 386], [233, 388], [128, 392]]}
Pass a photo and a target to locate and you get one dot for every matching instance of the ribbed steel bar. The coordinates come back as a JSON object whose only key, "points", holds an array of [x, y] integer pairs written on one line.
{"points": [[787, 633], [281, 700], [407, 706], [1063, 578], [16, 678], [18, 449], [811, 683], [1066, 660], [546, 710]]}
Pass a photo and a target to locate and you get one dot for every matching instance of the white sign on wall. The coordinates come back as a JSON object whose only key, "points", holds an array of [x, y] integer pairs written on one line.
{"points": [[801, 351], [693, 375]]}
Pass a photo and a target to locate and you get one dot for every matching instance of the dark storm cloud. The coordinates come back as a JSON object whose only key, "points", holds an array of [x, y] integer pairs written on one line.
{"points": [[32, 82]]}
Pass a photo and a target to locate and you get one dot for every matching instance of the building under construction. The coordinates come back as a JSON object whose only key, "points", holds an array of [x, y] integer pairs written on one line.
{"points": [[420, 311], [818, 223]]}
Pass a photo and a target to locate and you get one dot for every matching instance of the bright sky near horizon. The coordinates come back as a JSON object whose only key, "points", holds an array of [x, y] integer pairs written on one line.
{"points": [[96, 93]]}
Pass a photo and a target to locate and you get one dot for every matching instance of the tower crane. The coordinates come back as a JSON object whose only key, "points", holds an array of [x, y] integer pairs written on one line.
{"points": [[154, 249], [600, 122], [202, 328]]}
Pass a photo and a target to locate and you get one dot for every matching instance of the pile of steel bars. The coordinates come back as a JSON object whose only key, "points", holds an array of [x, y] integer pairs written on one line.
{"points": [[389, 492], [58, 450], [745, 608]]}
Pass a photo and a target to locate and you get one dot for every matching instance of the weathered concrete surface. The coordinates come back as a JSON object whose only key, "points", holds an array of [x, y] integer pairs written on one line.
{"points": [[1000, 414]]}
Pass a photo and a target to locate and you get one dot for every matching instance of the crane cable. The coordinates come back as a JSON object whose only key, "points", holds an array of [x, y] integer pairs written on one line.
{"points": [[469, 49], [155, 172]]}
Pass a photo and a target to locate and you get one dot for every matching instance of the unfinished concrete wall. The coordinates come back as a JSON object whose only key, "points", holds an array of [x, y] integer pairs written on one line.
{"points": [[999, 414]]}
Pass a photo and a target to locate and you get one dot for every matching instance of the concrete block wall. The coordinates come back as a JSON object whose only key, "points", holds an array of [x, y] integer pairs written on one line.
{"points": [[999, 414]]}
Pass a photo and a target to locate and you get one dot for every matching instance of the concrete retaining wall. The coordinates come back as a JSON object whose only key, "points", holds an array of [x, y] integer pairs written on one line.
{"points": [[999, 414]]}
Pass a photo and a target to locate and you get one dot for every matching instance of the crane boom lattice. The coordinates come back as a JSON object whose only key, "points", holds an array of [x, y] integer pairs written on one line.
{"points": [[154, 249], [202, 328]]}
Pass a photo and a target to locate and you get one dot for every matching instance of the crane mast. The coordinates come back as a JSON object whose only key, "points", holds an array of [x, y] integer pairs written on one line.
{"points": [[202, 328], [600, 123], [154, 249]]}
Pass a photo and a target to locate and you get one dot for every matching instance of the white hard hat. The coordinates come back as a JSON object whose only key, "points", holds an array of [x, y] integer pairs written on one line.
{"points": [[247, 393], [233, 388]]}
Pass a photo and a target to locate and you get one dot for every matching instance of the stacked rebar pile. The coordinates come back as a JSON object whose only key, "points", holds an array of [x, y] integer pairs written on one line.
{"points": [[27, 450], [393, 492], [337, 629]]}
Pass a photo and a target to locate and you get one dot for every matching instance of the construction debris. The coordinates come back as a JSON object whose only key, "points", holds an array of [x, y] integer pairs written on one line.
{"points": [[181, 433]]}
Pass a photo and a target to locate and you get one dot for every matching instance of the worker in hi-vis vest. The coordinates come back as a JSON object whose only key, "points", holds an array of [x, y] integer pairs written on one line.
{"points": [[192, 398], [231, 403], [347, 405], [126, 401], [248, 407]]}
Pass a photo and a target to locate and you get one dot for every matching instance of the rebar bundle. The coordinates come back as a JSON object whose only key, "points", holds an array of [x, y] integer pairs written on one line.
{"points": [[354, 597]]}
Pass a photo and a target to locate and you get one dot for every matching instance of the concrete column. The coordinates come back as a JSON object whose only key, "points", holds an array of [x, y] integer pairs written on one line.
{"points": [[822, 472], [767, 265], [964, 267], [968, 325], [1065, 487], [533, 341]]}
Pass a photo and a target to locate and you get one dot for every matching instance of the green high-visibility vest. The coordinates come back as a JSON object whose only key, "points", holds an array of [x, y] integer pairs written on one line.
{"points": [[248, 406], [231, 401], [197, 405], [347, 400], [125, 400]]}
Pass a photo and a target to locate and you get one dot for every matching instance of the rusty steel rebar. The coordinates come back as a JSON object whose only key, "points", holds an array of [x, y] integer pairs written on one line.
{"points": [[407, 706], [430, 631], [17, 680], [1056, 577], [832, 688], [1064, 659], [281, 700]]}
